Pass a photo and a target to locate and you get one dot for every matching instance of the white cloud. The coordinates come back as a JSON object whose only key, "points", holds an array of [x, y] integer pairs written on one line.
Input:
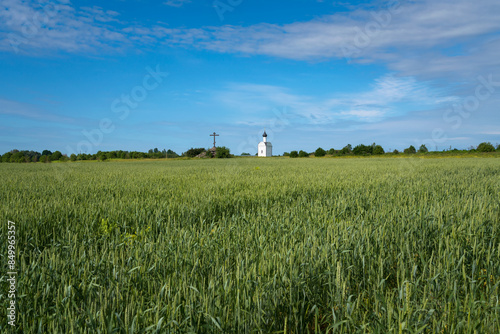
{"points": [[176, 3], [415, 25], [386, 98], [28, 111], [426, 39], [26, 26]]}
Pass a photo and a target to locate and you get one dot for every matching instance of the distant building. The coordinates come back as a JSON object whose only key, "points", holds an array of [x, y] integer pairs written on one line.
{"points": [[265, 147]]}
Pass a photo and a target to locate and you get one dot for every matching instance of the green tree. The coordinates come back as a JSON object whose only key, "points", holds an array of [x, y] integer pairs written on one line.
{"points": [[171, 154], [18, 157], [55, 156], [82, 156], [6, 157], [111, 155], [294, 154], [330, 151], [303, 154], [346, 149], [378, 150], [410, 150], [47, 153], [362, 150], [32, 155], [395, 152], [72, 157], [319, 152], [423, 149], [222, 152], [244, 154], [485, 147]]}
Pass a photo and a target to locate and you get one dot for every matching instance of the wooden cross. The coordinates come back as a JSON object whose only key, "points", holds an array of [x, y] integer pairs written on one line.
{"points": [[214, 135]]}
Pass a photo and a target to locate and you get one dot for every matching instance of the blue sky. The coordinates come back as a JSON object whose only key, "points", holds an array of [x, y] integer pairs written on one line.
{"points": [[83, 76]]}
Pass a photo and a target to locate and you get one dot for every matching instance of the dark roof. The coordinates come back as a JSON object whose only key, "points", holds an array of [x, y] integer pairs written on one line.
{"points": [[265, 134]]}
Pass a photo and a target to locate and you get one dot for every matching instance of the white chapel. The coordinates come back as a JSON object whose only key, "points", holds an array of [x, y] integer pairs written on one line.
{"points": [[265, 147]]}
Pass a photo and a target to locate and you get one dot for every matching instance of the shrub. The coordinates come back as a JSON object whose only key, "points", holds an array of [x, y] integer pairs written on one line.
{"points": [[222, 152], [303, 154], [294, 154], [192, 152]]}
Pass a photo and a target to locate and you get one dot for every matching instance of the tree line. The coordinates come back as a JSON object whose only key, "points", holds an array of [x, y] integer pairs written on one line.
{"points": [[374, 149], [221, 152], [49, 156]]}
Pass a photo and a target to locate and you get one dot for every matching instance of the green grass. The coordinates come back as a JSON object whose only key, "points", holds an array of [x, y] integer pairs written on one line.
{"points": [[255, 245]]}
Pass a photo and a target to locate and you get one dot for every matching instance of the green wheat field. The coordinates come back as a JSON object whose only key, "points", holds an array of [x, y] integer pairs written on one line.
{"points": [[249, 245]]}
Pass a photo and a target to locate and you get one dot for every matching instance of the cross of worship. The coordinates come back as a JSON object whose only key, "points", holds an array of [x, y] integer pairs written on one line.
{"points": [[214, 135]]}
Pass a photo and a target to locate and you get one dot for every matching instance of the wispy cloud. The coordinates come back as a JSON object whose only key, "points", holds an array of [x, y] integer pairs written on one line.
{"points": [[176, 3], [451, 40], [388, 97], [27, 26], [416, 25], [425, 38], [33, 112]]}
